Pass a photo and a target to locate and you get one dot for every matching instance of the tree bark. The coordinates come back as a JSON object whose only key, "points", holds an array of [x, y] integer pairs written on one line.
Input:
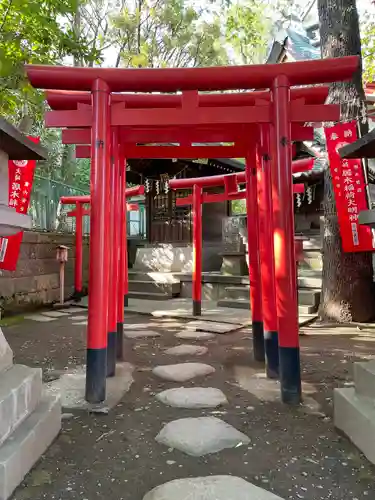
{"points": [[348, 292]]}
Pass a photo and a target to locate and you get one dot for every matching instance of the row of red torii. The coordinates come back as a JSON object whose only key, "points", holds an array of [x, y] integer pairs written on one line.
{"points": [[231, 184], [109, 127]]}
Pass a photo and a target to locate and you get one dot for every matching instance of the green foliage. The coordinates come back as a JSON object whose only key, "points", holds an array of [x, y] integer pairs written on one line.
{"points": [[155, 33], [32, 31], [246, 31], [127, 33], [238, 207], [368, 49]]}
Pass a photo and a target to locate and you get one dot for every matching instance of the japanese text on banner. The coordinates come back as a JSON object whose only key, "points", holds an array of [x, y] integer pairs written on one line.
{"points": [[21, 176], [349, 189]]}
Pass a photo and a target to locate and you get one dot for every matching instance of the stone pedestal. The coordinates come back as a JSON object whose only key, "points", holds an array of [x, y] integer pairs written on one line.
{"points": [[234, 264], [354, 409], [29, 419]]}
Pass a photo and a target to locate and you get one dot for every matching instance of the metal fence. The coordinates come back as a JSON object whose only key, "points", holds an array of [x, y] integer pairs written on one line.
{"points": [[48, 214]]}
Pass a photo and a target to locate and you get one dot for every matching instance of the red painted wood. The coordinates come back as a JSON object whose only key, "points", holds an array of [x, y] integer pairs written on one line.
{"points": [[215, 133], [181, 117], [220, 197], [285, 263], [99, 221], [72, 200], [314, 112], [187, 152], [58, 119], [79, 252], [205, 79], [197, 244], [199, 116], [62, 99], [114, 231]]}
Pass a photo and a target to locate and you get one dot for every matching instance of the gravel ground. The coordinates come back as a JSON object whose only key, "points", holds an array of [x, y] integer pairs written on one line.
{"points": [[295, 453]]}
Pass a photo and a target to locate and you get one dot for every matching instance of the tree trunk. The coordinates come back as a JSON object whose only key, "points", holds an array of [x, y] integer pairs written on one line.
{"points": [[348, 292], [77, 61]]}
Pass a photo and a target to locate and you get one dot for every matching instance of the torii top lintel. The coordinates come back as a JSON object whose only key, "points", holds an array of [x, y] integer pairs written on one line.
{"points": [[129, 192], [205, 79], [230, 179], [67, 100]]}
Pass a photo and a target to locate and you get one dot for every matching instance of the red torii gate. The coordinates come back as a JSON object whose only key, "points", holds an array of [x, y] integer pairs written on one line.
{"points": [[118, 285], [60, 100], [186, 149], [279, 112], [201, 198], [79, 212], [261, 285]]}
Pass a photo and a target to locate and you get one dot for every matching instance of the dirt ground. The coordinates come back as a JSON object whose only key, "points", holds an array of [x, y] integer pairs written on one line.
{"points": [[295, 453]]}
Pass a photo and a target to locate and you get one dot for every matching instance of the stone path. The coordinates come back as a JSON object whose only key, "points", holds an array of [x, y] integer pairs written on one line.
{"points": [[197, 436], [209, 488], [193, 397], [187, 350], [182, 308], [194, 335], [72, 312], [206, 438]]}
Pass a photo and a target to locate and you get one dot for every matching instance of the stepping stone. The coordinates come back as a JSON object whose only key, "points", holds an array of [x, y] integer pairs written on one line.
{"points": [[76, 323], [193, 397], [210, 488], [40, 318], [140, 334], [138, 326], [193, 335], [78, 318], [54, 314], [182, 372], [199, 436], [187, 350], [72, 310], [212, 326]]}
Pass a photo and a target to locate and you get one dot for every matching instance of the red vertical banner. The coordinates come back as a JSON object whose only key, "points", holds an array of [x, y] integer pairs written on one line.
{"points": [[21, 177], [349, 187]]}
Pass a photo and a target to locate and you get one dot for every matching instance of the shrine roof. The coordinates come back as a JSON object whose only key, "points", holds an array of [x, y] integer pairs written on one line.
{"points": [[362, 148], [17, 146], [153, 169]]}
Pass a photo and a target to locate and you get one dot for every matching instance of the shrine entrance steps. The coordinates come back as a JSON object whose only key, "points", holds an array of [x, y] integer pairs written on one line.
{"points": [[153, 285], [309, 280]]}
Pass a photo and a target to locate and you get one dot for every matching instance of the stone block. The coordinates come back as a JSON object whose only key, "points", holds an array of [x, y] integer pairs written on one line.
{"points": [[20, 392], [209, 488], [182, 372], [193, 397], [6, 353], [200, 436], [364, 378], [47, 281], [164, 258], [25, 284], [35, 267], [71, 388], [30, 237], [234, 264], [26, 445], [6, 286], [355, 416]]}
